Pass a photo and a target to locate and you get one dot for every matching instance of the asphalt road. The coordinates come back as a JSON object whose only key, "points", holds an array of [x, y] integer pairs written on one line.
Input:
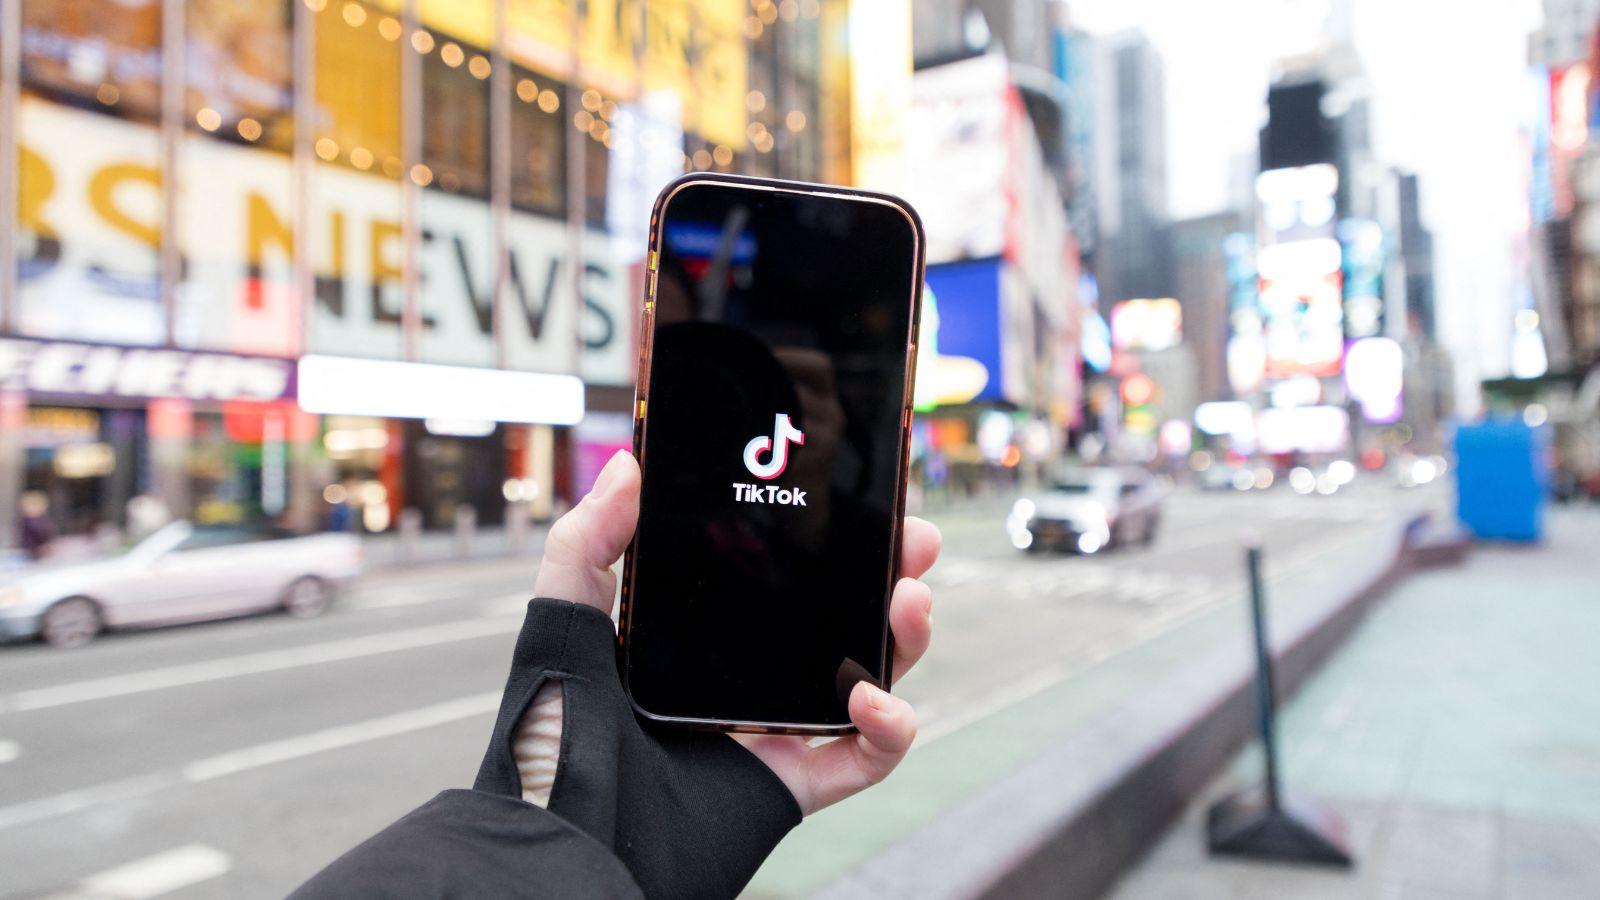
{"points": [[234, 759]]}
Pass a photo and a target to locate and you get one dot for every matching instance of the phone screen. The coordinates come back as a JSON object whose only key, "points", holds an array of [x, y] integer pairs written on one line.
{"points": [[772, 452]]}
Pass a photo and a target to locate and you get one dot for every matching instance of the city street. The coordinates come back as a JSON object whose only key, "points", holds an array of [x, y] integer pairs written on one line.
{"points": [[236, 758], [324, 311]]}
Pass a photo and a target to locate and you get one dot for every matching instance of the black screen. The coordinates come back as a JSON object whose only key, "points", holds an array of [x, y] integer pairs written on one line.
{"points": [[759, 578]]}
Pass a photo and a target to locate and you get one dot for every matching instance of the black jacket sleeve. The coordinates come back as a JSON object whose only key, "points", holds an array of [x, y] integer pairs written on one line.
{"points": [[634, 807], [472, 844]]}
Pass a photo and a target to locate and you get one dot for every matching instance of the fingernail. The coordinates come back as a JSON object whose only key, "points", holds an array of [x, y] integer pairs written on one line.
{"points": [[875, 695], [608, 476], [927, 605]]}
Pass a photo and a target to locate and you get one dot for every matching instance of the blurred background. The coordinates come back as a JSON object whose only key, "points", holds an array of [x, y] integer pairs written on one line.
{"points": [[329, 307]]}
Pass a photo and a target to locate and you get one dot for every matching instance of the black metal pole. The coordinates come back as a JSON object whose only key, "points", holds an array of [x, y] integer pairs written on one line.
{"points": [[1265, 824], [1266, 692]]}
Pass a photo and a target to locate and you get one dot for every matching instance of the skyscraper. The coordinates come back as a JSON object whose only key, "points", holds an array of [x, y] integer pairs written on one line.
{"points": [[1131, 168]]}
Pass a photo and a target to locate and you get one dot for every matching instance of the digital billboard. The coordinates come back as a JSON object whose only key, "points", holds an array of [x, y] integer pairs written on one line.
{"points": [[1300, 267]]}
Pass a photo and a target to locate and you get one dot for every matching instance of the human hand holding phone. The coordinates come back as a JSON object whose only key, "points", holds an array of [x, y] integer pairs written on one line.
{"points": [[579, 554], [580, 795]]}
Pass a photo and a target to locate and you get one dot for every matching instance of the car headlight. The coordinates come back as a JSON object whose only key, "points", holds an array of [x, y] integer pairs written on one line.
{"points": [[1094, 515], [11, 596], [1023, 509]]}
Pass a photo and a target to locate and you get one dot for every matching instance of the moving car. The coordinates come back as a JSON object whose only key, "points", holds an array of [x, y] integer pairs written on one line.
{"points": [[1087, 510], [180, 573]]}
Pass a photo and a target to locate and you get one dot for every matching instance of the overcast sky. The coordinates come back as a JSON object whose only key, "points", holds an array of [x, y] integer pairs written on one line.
{"points": [[1447, 82]]}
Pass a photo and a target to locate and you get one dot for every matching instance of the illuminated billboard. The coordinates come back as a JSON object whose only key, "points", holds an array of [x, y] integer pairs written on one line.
{"points": [[1146, 324], [959, 159], [1374, 376], [1361, 241], [880, 92], [1299, 264]]}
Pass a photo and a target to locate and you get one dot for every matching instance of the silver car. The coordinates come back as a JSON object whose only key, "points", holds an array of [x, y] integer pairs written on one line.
{"points": [[180, 573], [1088, 510]]}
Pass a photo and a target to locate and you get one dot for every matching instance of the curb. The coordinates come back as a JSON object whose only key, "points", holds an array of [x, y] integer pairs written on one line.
{"points": [[1070, 822]]}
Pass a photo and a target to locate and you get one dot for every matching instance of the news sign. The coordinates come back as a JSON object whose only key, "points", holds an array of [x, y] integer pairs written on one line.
{"points": [[89, 267]]}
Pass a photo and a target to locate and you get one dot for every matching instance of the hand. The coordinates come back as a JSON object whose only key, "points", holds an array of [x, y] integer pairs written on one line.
{"points": [[585, 543]]}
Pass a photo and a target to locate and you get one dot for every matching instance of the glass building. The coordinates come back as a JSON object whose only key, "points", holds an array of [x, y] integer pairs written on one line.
{"points": [[207, 194]]}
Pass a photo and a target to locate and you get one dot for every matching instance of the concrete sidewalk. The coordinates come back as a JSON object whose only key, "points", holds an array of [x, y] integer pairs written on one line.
{"points": [[1457, 733]]}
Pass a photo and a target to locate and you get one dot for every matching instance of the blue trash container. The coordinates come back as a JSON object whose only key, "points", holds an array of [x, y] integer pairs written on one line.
{"points": [[1500, 479]]}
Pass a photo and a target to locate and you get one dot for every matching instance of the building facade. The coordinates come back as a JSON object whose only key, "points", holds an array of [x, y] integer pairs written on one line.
{"points": [[207, 194]]}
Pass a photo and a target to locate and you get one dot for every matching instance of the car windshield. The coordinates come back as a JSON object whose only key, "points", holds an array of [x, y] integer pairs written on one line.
{"points": [[1071, 487], [223, 535]]}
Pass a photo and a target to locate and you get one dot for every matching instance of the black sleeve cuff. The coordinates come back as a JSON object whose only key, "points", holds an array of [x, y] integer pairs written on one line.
{"points": [[691, 814]]}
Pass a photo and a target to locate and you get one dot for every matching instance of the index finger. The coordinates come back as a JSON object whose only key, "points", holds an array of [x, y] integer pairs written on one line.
{"points": [[919, 547]]}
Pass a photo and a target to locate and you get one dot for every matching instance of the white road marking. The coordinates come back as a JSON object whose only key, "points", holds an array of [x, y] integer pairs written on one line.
{"points": [[389, 600], [508, 605], [9, 750], [234, 762], [255, 663], [55, 805], [341, 736], [153, 876]]}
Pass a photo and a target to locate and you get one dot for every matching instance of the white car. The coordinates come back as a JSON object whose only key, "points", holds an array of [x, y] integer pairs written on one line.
{"points": [[1088, 510], [180, 573]]}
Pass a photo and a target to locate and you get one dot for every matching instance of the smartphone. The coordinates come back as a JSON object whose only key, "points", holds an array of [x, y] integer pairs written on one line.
{"points": [[772, 425]]}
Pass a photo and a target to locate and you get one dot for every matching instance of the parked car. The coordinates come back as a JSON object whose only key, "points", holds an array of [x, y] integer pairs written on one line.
{"points": [[1087, 510], [180, 573]]}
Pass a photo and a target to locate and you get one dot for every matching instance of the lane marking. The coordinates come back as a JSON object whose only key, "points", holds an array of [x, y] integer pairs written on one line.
{"points": [[389, 600], [507, 605], [153, 876], [30, 811], [244, 760], [341, 736], [9, 750], [187, 674]]}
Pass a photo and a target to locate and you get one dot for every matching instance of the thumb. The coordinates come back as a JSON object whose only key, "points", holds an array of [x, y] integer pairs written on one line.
{"points": [[584, 544]]}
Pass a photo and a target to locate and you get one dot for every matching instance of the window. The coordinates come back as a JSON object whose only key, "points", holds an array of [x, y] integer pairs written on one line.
{"points": [[538, 143], [99, 54], [597, 168], [455, 117], [358, 86], [239, 58]]}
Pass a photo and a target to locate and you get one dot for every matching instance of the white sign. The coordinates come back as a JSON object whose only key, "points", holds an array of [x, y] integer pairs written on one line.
{"points": [[333, 385], [1308, 429]]}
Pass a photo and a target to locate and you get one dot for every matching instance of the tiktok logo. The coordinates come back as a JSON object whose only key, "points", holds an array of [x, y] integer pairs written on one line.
{"points": [[783, 434]]}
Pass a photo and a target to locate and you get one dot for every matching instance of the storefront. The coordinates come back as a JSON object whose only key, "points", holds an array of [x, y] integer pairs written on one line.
{"points": [[93, 426]]}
